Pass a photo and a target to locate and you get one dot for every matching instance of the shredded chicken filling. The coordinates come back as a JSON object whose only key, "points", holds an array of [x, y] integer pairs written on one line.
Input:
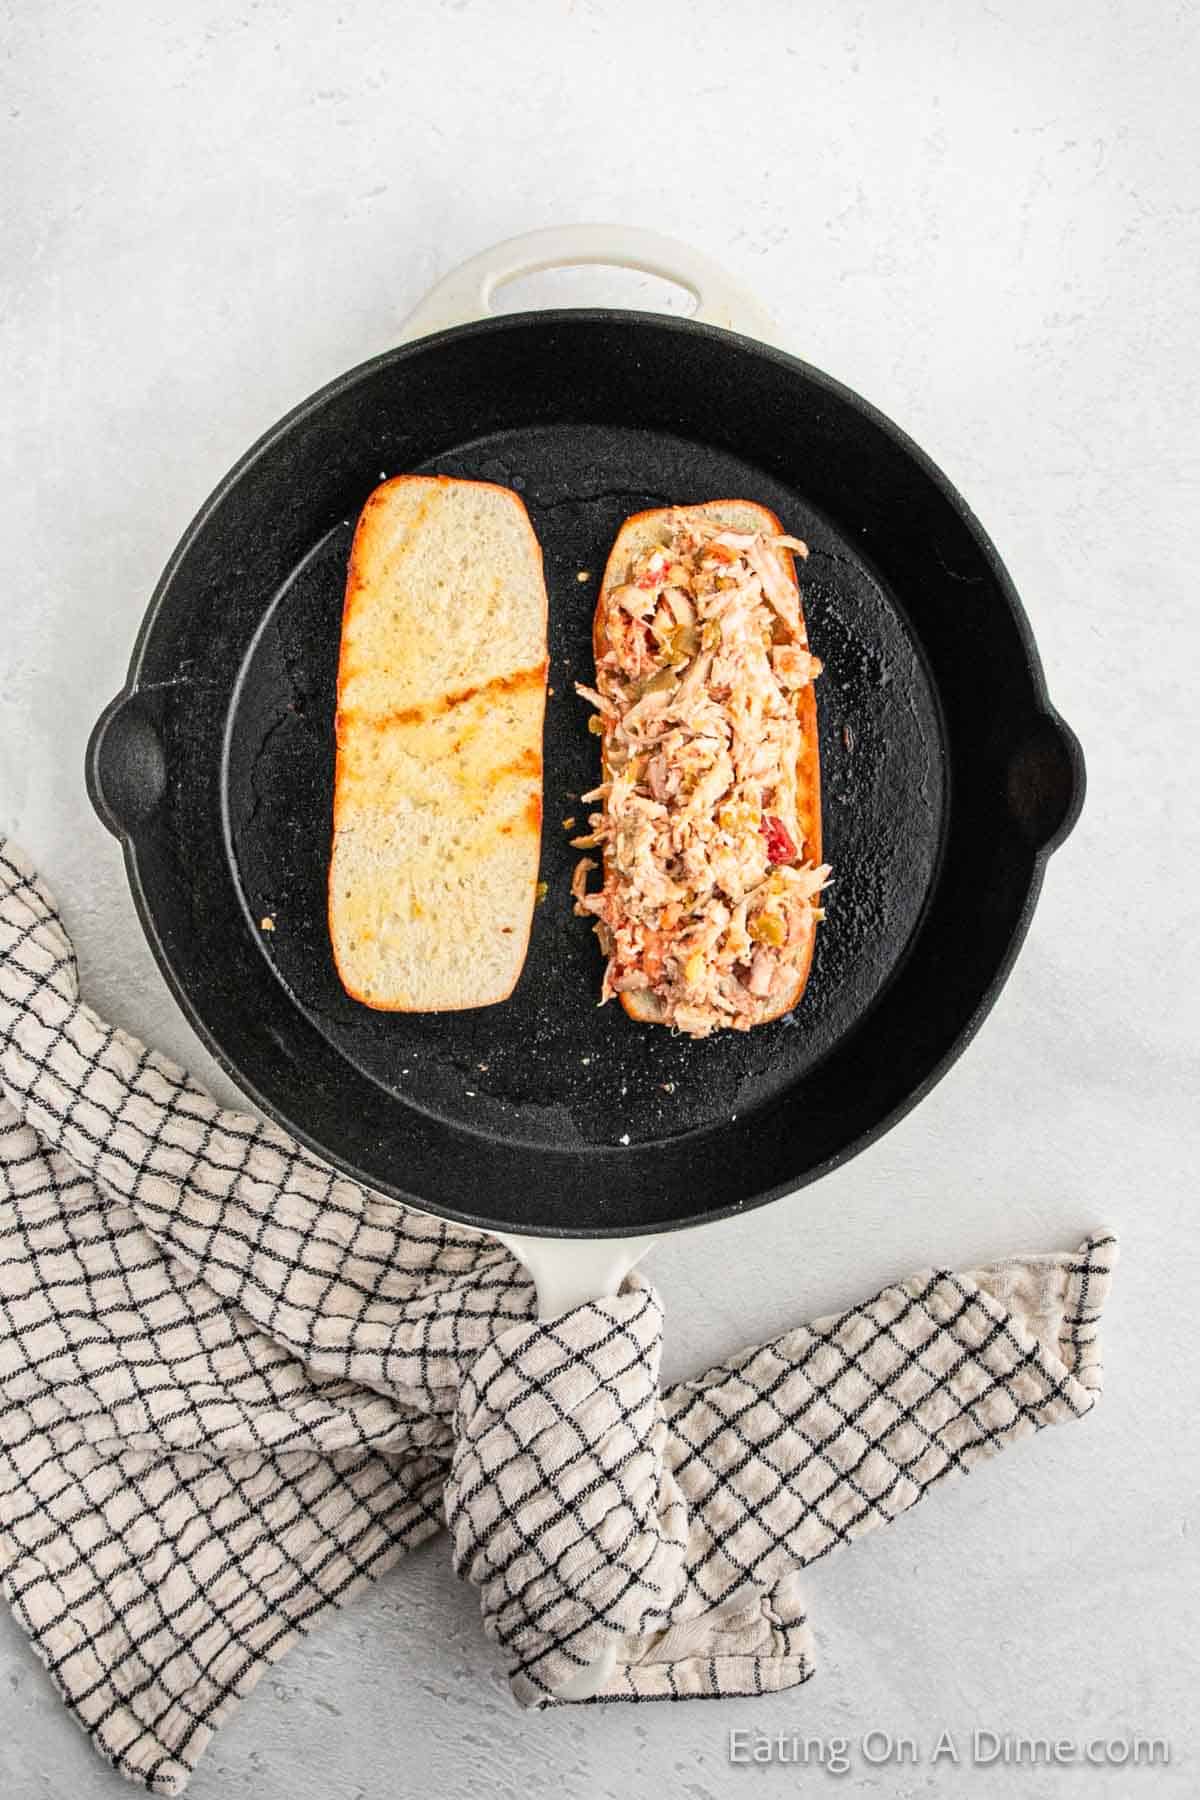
{"points": [[708, 901]]}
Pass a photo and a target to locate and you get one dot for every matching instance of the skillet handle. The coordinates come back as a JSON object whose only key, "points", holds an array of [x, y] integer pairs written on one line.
{"points": [[1047, 780], [567, 1272], [125, 766], [466, 293]]}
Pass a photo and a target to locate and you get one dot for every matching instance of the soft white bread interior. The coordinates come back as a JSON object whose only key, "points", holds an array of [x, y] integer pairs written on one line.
{"points": [[437, 790]]}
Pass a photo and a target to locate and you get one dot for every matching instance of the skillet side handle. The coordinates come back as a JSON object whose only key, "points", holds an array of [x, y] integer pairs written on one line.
{"points": [[125, 765], [467, 292], [1047, 781]]}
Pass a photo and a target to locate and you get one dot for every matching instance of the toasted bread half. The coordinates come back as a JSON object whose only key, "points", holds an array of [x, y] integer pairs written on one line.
{"points": [[642, 532], [441, 696]]}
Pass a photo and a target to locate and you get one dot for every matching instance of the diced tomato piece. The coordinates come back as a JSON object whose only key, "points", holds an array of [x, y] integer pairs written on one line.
{"points": [[780, 848]]}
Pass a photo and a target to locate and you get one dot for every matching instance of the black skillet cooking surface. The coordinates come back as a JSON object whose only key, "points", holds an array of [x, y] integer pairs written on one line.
{"points": [[946, 777]]}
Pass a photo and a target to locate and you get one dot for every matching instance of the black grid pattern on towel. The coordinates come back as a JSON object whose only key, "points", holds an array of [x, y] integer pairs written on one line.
{"points": [[235, 1387], [713, 1496]]}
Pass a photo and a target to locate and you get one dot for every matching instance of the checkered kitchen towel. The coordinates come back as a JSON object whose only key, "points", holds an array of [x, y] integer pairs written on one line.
{"points": [[235, 1387]]}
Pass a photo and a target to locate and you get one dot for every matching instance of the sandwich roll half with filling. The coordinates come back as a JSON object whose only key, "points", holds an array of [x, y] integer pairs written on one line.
{"points": [[709, 820]]}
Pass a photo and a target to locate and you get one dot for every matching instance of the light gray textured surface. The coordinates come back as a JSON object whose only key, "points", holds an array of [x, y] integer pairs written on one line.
{"points": [[985, 219]]}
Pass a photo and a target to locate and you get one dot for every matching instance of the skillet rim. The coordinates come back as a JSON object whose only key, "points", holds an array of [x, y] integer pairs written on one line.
{"points": [[497, 325]]}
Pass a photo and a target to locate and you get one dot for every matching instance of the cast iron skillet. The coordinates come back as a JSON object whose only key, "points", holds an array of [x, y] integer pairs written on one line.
{"points": [[947, 779]]}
